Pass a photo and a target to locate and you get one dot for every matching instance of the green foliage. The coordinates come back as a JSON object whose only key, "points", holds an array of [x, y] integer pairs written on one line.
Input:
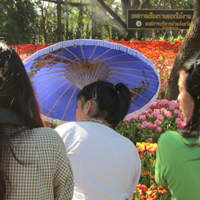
{"points": [[19, 18], [35, 21], [136, 134], [172, 39]]}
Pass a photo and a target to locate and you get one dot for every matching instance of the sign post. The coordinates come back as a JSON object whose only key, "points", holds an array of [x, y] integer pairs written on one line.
{"points": [[159, 19]]}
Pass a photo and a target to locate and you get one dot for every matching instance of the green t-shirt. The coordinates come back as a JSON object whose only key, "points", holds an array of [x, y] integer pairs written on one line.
{"points": [[175, 167]]}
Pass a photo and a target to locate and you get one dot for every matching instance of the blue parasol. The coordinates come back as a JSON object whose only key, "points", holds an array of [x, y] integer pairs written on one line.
{"points": [[58, 72]]}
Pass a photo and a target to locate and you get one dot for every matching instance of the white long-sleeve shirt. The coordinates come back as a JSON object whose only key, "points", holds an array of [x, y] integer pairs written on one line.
{"points": [[106, 165]]}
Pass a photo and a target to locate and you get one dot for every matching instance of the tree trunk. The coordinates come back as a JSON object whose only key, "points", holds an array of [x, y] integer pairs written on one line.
{"points": [[173, 5], [67, 20], [43, 24], [113, 14], [190, 46], [145, 33], [60, 36], [93, 21], [135, 4], [126, 4]]}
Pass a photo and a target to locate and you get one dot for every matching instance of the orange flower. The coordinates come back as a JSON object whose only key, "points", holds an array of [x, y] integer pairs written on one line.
{"points": [[152, 161], [151, 147], [140, 147], [141, 188], [152, 187], [161, 190], [151, 182], [145, 173], [142, 155], [153, 176], [143, 197], [144, 188], [151, 194]]}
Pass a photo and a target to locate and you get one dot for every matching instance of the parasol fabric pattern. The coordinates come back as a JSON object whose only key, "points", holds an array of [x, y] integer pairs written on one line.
{"points": [[58, 72]]}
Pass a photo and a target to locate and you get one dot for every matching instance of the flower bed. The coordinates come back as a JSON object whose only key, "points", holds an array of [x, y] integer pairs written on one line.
{"points": [[144, 130]]}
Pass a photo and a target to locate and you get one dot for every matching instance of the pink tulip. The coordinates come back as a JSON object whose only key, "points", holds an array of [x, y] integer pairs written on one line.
{"points": [[176, 104], [183, 124], [178, 121], [158, 129], [139, 127], [149, 140], [135, 117], [149, 125], [142, 117], [164, 103], [127, 122], [172, 107], [181, 116], [158, 123], [155, 113], [168, 114], [160, 117], [179, 126], [176, 112], [150, 132], [163, 111], [145, 112], [154, 127], [149, 111], [144, 124]]}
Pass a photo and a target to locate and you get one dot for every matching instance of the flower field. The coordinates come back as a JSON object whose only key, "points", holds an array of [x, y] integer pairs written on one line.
{"points": [[144, 130]]}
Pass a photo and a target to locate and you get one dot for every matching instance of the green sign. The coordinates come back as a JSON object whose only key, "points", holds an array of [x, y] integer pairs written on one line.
{"points": [[159, 19]]}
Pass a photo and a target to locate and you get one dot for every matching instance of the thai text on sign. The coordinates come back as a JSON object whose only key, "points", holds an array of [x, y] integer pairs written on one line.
{"points": [[159, 19]]}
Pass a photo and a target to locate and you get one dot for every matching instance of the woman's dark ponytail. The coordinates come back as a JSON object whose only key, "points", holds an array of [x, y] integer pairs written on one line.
{"points": [[124, 100], [113, 102]]}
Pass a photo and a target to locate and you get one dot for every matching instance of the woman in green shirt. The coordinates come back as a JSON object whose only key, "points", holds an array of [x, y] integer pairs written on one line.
{"points": [[178, 154]]}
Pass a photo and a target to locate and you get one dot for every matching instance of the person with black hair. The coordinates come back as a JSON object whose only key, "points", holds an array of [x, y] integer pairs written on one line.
{"points": [[33, 161], [178, 153], [106, 165]]}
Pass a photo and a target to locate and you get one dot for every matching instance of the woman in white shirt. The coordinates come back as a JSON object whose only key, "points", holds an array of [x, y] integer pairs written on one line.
{"points": [[106, 165]]}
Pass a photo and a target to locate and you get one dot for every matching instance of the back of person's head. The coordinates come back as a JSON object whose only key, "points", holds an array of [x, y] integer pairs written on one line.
{"points": [[113, 102], [16, 92], [192, 86]]}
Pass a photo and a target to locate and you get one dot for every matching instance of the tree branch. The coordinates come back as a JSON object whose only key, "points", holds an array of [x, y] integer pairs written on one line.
{"points": [[113, 14], [69, 3]]}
